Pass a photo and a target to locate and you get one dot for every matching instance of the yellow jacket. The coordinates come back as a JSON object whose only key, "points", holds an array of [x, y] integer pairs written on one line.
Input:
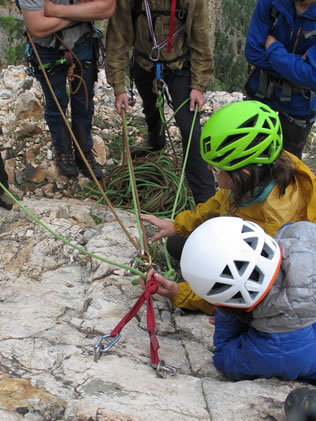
{"points": [[297, 204]]}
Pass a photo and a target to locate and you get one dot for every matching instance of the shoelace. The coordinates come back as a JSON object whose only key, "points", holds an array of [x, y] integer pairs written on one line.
{"points": [[66, 157]]}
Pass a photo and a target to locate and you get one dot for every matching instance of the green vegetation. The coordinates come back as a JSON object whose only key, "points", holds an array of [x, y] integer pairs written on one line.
{"points": [[15, 29], [229, 59]]}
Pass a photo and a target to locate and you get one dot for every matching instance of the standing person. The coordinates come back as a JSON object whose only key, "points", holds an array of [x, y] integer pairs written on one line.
{"points": [[259, 182], [281, 48], [5, 200], [263, 289], [62, 31], [184, 63]]}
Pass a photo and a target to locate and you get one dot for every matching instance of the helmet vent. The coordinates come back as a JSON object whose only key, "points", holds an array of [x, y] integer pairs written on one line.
{"points": [[266, 125], [249, 123], [267, 251], [231, 139], [256, 276], [237, 298], [218, 288], [246, 228], [220, 158], [241, 266], [253, 294], [279, 132], [259, 139], [227, 273], [252, 242]]}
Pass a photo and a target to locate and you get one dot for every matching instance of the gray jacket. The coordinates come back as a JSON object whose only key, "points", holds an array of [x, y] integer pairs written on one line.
{"points": [[291, 302]]}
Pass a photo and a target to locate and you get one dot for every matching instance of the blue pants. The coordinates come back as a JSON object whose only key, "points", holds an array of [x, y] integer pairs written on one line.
{"points": [[82, 106], [200, 179]]}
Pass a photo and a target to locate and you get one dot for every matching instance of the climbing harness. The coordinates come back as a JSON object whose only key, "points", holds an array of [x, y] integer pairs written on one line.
{"points": [[155, 52], [175, 11], [162, 369]]}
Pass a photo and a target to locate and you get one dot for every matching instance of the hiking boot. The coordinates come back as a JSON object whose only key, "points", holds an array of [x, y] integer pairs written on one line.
{"points": [[156, 139], [300, 405], [6, 201], [66, 164], [96, 168]]}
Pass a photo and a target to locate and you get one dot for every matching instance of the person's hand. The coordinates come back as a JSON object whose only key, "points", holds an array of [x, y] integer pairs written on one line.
{"points": [[165, 226], [121, 100], [166, 288], [270, 40], [196, 97]]}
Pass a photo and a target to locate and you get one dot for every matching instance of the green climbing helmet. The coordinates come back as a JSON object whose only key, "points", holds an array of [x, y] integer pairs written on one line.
{"points": [[241, 133]]}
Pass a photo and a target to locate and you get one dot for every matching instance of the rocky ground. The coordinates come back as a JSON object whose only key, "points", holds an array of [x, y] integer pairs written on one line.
{"points": [[56, 301]]}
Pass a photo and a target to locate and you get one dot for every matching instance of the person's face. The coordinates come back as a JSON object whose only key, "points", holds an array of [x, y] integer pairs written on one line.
{"points": [[223, 178]]}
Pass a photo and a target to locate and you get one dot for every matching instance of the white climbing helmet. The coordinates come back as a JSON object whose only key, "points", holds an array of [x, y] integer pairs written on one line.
{"points": [[230, 262]]}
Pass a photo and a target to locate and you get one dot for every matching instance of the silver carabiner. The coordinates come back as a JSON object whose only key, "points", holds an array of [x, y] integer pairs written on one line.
{"points": [[157, 50], [162, 369], [180, 14], [99, 348]]}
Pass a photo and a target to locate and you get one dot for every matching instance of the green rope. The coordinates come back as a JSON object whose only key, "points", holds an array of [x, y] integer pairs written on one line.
{"points": [[75, 246], [157, 185], [131, 184], [171, 271]]}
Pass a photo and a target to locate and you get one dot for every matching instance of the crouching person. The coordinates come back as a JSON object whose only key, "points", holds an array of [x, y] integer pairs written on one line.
{"points": [[264, 291]]}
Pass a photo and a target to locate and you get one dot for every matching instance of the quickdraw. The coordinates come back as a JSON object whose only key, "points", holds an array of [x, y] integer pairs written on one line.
{"points": [[162, 369]]}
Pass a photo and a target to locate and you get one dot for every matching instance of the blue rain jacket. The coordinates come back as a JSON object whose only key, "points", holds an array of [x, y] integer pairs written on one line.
{"points": [[292, 57], [278, 338]]}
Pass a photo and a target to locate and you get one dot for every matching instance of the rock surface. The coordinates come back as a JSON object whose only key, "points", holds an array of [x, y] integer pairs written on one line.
{"points": [[55, 304]]}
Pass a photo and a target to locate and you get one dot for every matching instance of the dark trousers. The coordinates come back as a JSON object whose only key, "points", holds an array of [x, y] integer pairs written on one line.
{"points": [[81, 115], [3, 175], [175, 246], [200, 179], [294, 136]]}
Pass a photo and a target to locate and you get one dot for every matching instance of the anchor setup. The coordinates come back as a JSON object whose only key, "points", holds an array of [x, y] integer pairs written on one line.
{"points": [[143, 260]]}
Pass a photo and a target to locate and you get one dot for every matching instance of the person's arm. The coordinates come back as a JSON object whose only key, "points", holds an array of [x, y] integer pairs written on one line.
{"points": [[39, 25], [82, 11], [296, 68], [119, 41], [201, 60], [258, 31], [186, 221]]}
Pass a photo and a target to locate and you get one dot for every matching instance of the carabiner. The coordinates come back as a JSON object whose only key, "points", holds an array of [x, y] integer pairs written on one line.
{"points": [[98, 348], [162, 369], [180, 14], [157, 51]]}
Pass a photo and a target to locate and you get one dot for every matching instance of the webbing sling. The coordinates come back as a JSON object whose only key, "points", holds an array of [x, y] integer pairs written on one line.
{"points": [[162, 369]]}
